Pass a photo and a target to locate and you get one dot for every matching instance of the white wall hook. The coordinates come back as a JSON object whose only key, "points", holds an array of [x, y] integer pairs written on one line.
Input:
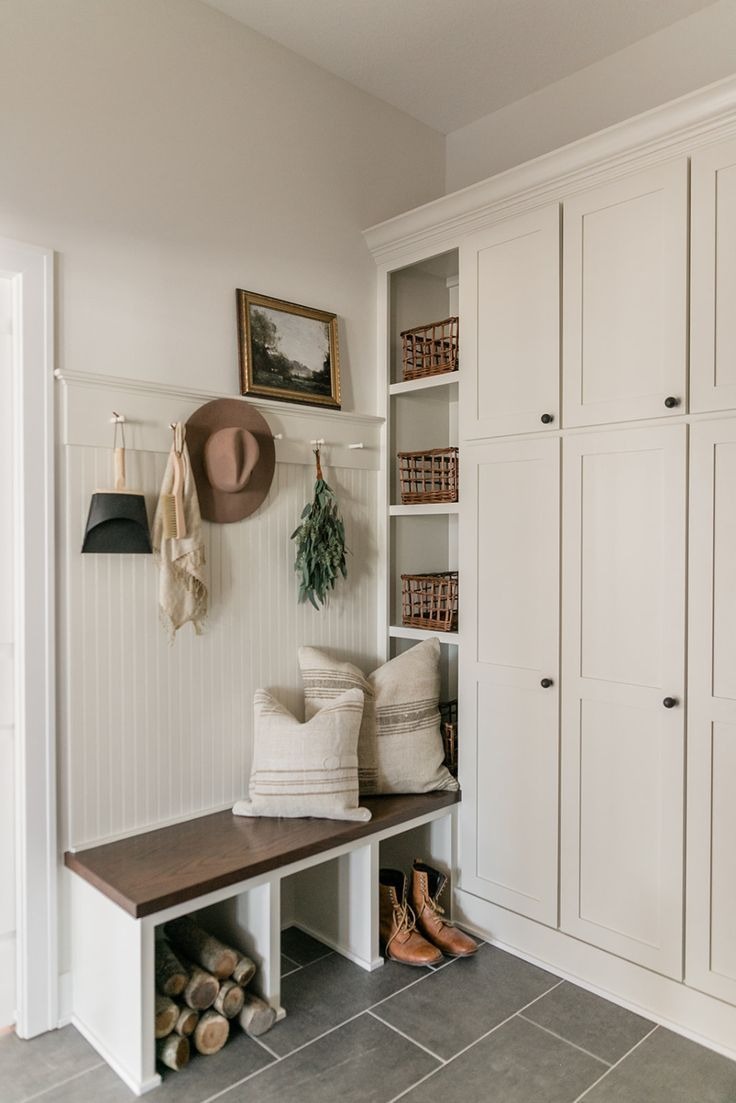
{"points": [[352, 447], [117, 419], [278, 436], [319, 443]]}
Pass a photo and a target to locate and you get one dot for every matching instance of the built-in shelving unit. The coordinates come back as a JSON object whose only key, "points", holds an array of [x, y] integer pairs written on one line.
{"points": [[421, 415]]}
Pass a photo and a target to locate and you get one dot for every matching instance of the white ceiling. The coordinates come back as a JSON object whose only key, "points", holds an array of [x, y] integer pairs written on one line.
{"points": [[448, 62]]}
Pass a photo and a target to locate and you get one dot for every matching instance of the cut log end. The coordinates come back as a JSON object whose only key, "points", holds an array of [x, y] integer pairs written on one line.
{"points": [[171, 976], [173, 1051], [230, 999], [187, 1021], [211, 1033], [244, 971], [201, 992], [257, 1016], [167, 1013]]}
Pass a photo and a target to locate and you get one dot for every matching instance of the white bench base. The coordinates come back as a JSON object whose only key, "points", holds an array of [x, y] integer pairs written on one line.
{"points": [[335, 899]]}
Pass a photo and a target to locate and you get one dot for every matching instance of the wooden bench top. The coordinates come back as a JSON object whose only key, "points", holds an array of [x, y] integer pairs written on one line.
{"points": [[168, 866]]}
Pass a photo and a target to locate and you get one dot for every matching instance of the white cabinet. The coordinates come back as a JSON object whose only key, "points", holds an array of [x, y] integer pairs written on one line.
{"points": [[713, 279], [624, 318], [624, 522], [510, 326], [711, 898], [509, 627]]}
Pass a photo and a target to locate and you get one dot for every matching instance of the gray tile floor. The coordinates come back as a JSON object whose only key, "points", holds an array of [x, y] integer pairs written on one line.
{"points": [[490, 1028]]}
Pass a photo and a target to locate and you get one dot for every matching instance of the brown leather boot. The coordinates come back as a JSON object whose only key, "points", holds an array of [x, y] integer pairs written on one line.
{"points": [[427, 885], [399, 935]]}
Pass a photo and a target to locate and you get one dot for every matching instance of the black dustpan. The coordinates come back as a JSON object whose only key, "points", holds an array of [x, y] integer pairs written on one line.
{"points": [[117, 521]]}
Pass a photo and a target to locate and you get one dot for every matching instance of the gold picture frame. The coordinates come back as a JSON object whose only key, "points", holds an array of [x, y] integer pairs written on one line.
{"points": [[283, 356]]}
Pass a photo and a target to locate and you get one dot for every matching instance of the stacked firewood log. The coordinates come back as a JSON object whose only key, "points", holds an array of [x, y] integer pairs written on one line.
{"points": [[201, 986]]}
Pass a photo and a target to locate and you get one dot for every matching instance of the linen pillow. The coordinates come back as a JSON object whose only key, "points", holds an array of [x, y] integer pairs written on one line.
{"points": [[305, 769], [400, 748]]}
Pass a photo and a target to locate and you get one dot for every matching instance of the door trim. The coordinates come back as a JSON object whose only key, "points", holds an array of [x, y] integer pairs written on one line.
{"points": [[30, 270]]}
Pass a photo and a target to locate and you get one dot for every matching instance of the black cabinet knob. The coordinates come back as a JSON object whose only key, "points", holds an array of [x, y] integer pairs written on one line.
{"points": [[670, 402], [670, 702], [546, 683], [547, 419]]}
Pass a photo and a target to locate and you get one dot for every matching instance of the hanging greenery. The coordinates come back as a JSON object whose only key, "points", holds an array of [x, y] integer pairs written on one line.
{"points": [[320, 544]]}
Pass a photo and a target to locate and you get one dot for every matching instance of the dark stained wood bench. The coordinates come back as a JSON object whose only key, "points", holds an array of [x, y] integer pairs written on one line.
{"points": [[176, 864], [231, 868]]}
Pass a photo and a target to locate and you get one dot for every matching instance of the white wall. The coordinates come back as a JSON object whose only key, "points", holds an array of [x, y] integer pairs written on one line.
{"points": [[690, 54], [169, 155], [7, 688]]}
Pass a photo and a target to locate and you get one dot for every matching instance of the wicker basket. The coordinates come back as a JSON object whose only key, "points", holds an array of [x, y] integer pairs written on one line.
{"points": [[448, 728], [430, 601], [431, 476], [430, 350]]}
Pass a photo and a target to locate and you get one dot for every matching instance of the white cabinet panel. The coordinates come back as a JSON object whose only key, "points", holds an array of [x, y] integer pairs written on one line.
{"points": [[509, 594], [625, 298], [623, 653], [622, 748], [618, 529], [711, 895], [510, 315], [713, 279]]}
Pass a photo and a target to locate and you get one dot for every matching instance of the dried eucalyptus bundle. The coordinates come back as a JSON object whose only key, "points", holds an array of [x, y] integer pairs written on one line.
{"points": [[320, 544]]}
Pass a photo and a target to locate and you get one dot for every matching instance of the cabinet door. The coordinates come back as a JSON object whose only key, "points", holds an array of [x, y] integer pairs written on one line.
{"points": [[711, 897], [509, 624], [623, 652], [510, 326], [624, 319], [713, 279]]}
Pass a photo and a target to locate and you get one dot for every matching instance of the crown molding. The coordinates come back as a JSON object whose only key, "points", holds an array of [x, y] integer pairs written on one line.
{"points": [[675, 129]]}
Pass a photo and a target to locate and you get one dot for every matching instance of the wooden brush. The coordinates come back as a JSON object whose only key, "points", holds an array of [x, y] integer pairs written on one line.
{"points": [[175, 527]]}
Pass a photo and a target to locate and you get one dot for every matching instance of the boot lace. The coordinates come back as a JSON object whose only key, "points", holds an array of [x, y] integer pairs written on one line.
{"points": [[433, 903], [405, 920]]}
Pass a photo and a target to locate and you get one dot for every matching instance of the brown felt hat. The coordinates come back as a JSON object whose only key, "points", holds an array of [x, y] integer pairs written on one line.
{"points": [[233, 457]]}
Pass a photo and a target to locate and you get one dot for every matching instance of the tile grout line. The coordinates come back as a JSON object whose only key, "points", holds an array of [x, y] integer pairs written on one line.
{"points": [[615, 1066], [264, 1046], [408, 1037], [61, 1083], [567, 1041], [332, 1029], [477, 1040], [306, 964]]}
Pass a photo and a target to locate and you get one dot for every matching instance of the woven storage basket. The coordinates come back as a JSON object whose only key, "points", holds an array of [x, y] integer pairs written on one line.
{"points": [[431, 476], [430, 601], [448, 727], [430, 350]]}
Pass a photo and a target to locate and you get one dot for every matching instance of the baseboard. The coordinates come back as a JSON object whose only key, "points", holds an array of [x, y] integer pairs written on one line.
{"points": [[125, 1076], [702, 1018], [369, 966], [65, 999]]}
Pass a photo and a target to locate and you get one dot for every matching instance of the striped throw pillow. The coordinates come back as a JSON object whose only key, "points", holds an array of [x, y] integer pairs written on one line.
{"points": [[305, 769], [400, 748]]}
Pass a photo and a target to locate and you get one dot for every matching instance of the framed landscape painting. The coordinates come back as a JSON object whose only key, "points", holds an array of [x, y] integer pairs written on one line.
{"points": [[288, 352]]}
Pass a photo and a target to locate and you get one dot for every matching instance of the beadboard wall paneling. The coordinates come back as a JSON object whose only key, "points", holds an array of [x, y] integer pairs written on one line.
{"points": [[152, 731]]}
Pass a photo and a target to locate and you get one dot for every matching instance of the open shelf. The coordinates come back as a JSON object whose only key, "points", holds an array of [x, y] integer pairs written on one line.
{"points": [[411, 385], [427, 509], [398, 631]]}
